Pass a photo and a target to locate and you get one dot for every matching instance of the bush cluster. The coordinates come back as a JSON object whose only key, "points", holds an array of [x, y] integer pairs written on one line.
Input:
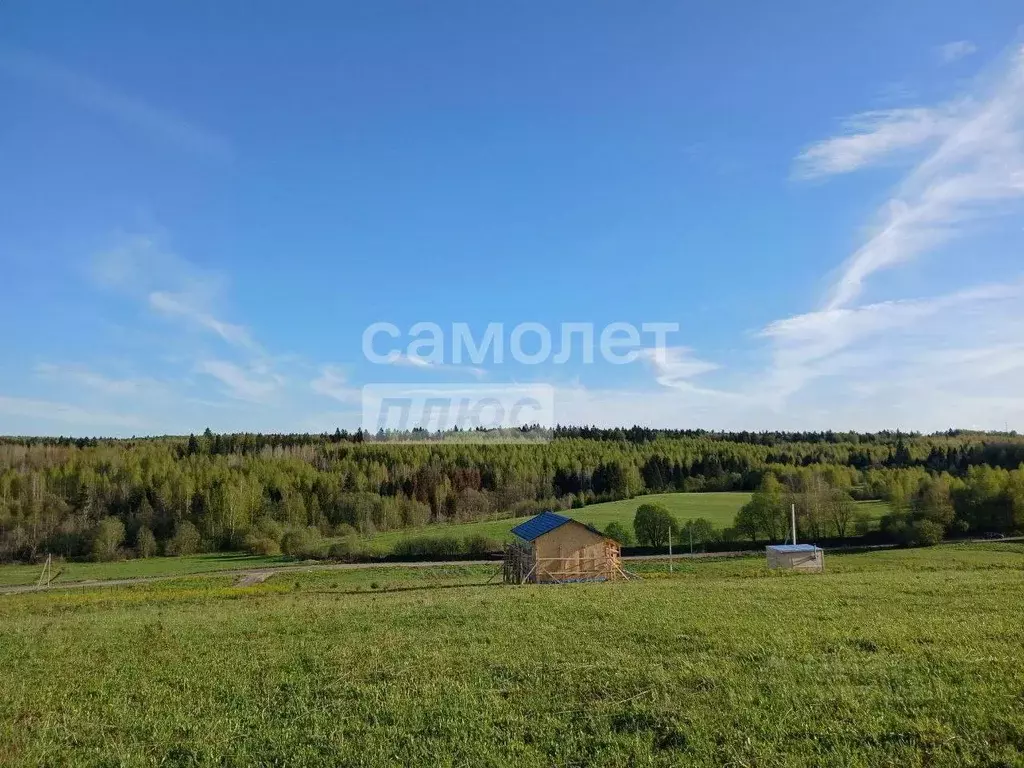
{"points": [[445, 546]]}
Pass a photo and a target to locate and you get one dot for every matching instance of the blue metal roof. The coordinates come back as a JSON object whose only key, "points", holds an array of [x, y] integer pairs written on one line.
{"points": [[793, 548], [539, 525]]}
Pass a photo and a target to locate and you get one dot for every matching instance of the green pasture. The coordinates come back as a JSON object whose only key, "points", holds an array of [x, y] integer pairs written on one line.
{"points": [[719, 508], [901, 657]]}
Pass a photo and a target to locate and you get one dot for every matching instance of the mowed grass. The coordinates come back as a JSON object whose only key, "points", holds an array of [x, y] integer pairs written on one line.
{"points": [[889, 658], [719, 508], [14, 575]]}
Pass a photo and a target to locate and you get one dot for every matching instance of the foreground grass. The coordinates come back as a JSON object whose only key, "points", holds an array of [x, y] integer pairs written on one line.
{"points": [[901, 658]]}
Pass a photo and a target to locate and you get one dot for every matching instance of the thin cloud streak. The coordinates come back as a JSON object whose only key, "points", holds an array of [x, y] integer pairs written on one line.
{"points": [[423, 364], [49, 411], [333, 383], [180, 306], [674, 366], [253, 384], [977, 170], [956, 50], [106, 100], [872, 136], [817, 344], [98, 382]]}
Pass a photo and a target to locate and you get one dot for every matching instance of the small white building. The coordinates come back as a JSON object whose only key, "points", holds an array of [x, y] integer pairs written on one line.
{"points": [[800, 557]]}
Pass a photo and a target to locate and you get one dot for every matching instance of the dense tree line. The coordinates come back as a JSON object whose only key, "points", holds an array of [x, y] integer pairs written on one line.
{"points": [[102, 498], [925, 506]]}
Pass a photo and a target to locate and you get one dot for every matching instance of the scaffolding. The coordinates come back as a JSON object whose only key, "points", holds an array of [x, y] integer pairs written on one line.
{"points": [[522, 565]]}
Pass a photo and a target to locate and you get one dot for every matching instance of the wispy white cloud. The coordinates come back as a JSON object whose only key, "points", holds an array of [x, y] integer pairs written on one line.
{"points": [[927, 364], [143, 268], [831, 341], [181, 305], [871, 136], [138, 264], [84, 377], [975, 170], [107, 100], [675, 366], [956, 50], [332, 382], [413, 361], [53, 411], [255, 384]]}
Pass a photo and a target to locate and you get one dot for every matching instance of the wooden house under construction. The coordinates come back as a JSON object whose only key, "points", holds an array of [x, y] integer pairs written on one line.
{"points": [[553, 549]]}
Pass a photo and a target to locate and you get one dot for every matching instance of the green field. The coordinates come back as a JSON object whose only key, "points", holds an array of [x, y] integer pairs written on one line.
{"points": [[889, 658], [719, 508]]}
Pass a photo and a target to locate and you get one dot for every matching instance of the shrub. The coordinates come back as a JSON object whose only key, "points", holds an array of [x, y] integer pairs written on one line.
{"points": [[267, 528], [428, 546], [699, 530], [926, 533], [693, 484], [413, 512], [896, 528], [186, 540], [261, 545], [344, 529], [348, 550], [480, 545], [620, 533], [305, 543], [862, 523], [729, 535], [910, 531], [107, 538], [145, 542]]}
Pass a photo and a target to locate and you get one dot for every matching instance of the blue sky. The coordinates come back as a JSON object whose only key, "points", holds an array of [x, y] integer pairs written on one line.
{"points": [[204, 206]]}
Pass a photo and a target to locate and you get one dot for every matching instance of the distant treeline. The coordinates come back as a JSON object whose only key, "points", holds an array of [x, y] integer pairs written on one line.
{"points": [[104, 497]]}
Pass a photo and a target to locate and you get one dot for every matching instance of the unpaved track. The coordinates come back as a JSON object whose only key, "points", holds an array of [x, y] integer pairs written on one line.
{"points": [[241, 573], [250, 576]]}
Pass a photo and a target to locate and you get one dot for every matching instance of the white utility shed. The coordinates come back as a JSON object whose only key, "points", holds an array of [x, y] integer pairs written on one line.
{"points": [[801, 557]]}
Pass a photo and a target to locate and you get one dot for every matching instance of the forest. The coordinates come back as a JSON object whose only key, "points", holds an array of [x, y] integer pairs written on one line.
{"points": [[107, 498]]}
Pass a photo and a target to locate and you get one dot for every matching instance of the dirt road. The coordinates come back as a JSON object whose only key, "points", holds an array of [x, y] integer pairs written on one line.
{"points": [[250, 576]]}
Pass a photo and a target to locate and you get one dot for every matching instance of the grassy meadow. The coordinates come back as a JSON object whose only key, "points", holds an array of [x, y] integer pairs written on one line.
{"points": [[719, 508], [889, 658]]}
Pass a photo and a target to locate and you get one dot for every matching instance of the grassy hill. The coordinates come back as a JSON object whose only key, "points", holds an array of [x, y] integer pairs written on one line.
{"points": [[888, 658], [719, 508]]}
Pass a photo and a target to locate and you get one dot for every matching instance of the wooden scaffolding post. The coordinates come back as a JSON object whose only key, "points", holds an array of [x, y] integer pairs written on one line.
{"points": [[47, 575]]}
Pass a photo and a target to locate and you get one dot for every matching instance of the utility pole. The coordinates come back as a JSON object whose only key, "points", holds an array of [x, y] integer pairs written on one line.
{"points": [[793, 512], [670, 549]]}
